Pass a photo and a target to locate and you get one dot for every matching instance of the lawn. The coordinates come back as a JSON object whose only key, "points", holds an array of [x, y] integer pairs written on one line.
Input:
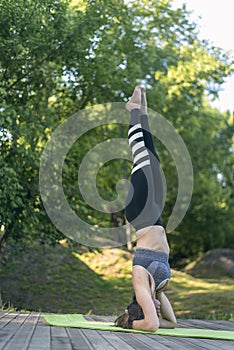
{"points": [[57, 279], [190, 296]]}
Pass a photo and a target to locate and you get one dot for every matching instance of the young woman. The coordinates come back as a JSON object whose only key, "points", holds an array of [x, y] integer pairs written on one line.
{"points": [[150, 308]]}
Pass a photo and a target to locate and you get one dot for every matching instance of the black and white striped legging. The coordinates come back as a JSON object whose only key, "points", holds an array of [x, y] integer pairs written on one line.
{"points": [[145, 197]]}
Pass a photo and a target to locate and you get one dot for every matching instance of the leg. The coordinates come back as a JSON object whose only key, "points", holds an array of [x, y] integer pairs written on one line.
{"points": [[154, 162], [142, 209], [154, 158]]}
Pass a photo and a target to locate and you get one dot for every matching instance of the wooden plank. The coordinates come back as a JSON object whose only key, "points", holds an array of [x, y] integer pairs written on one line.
{"points": [[134, 341], [152, 343], [9, 328], [177, 343], [171, 342], [193, 324], [209, 324], [3, 314], [41, 337], [22, 337], [228, 345], [210, 344], [22, 331], [222, 324], [7, 319], [194, 344], [77, 339], [116, 341], [96, 340], [60, 339]]}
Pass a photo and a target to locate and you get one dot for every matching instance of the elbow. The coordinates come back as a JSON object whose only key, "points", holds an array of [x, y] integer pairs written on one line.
{"points": [[147, 326], [173, 323], [152, 326]]}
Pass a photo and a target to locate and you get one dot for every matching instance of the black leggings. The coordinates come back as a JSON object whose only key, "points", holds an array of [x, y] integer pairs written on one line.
{"points": [[145, 197]]}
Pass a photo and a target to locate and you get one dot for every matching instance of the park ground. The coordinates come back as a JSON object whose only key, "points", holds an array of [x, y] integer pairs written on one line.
{"points": [[98, 282]]}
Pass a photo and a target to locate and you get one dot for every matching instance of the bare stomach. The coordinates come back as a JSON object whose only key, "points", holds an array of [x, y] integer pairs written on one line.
{"points": [[152, 237]]}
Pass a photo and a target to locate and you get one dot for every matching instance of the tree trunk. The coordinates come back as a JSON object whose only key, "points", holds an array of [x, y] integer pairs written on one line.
{"points": [[3, 243], [128, 235]]}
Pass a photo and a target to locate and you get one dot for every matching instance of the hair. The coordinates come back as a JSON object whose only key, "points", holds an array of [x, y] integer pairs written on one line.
{"points": [[134, 313]]}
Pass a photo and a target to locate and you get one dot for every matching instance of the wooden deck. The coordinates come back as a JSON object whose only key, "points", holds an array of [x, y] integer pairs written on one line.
{"points": [[27, 331]]}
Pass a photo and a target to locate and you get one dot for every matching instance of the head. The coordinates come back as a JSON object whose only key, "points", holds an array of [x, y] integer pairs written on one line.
{"points": [[133, 312]]}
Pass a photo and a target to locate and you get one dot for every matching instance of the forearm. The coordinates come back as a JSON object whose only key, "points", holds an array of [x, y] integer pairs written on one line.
{"points": [[145, 325], [163, 323], [168, 319]]}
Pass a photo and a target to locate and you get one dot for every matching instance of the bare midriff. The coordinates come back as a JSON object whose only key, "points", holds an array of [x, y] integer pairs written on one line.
{"points": [[152, 237]]}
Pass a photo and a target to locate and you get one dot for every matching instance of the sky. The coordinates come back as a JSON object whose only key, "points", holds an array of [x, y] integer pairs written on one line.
{"points": [[215, 22]]}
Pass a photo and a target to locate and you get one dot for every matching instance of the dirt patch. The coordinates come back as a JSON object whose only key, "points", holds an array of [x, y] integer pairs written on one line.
{"points": [[213, 264]]}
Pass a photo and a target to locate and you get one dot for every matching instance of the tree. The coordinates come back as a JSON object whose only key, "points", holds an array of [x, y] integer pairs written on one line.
{"points": [[59, 57]]}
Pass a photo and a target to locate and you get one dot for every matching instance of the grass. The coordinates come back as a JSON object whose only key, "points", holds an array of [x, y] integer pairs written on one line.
{"points": [[201, 298], [191, 297], [99, 282]]}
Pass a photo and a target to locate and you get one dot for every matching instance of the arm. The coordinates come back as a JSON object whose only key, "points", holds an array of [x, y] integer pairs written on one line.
{"points": [[143, 294], [151, 321], [168, 319]]}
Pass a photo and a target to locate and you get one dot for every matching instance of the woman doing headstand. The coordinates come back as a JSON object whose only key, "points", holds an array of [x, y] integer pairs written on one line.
{"points": [[150, 308]]}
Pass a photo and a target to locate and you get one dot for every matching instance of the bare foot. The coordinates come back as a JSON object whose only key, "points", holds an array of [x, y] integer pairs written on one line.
{"points": [[143, 102], [135, 100]]}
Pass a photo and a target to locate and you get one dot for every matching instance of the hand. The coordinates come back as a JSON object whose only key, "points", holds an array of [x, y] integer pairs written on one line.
{"points": [[167, 319], [157, 306]]}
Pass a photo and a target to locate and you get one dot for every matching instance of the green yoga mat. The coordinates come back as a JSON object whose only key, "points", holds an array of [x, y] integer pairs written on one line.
{"points": [[78, 321]]}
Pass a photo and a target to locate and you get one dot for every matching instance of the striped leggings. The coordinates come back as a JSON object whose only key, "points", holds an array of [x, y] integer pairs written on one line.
{"points": [[145, 196]]}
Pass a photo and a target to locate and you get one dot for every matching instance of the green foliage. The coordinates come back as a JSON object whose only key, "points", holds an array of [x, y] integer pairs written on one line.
{"points": [[58, 57]]}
